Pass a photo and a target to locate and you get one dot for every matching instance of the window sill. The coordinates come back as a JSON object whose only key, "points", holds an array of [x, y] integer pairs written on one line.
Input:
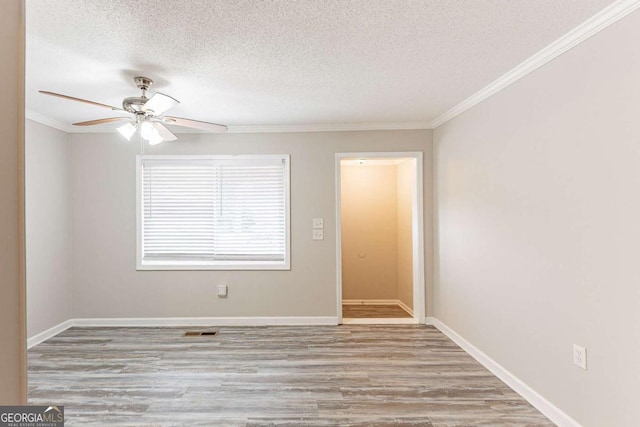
{"points": [[218, 265]]}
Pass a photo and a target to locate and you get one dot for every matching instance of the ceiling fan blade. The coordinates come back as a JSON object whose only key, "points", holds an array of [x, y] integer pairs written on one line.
{"points": [[86, 101], [101, 121], [159, 103], [196, 124], [165, 133]]}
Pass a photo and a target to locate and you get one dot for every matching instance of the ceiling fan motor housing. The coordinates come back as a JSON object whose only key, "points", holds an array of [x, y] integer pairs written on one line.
{"points": [[134, 104]]}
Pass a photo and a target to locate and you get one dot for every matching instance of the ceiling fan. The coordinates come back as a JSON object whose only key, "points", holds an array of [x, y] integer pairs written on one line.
{"points": [[148, 119]]}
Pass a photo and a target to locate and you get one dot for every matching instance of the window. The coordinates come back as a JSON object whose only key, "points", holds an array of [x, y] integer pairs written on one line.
{"points": [[213, 212]]}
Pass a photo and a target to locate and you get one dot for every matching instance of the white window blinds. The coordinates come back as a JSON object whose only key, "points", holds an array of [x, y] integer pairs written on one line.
{"points": [[213, 210]]}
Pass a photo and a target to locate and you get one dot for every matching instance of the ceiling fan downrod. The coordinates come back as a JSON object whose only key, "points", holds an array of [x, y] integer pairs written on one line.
{"points": [[143, 83]]}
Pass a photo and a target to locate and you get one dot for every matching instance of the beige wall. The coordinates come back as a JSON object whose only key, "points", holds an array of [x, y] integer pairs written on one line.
{"points": [[12, 319], [48, 227], [405, 187], [369, 232], [538, 208], [105, 282]]}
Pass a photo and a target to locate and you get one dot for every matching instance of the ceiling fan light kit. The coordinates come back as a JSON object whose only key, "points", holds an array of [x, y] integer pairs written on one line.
{"points": [[149, 133], [147, 121], [152, 132], [127, 130]]}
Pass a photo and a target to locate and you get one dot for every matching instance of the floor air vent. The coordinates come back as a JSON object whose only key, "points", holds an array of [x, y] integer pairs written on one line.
{"points": [[200, 333]]}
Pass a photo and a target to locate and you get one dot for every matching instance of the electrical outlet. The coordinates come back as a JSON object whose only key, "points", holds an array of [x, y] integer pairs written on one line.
{"points": [[318, 235], [580, 356], [318, 222]]}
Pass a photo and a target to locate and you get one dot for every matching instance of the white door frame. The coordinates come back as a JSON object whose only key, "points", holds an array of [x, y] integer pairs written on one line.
{"points": [[417, 229]]}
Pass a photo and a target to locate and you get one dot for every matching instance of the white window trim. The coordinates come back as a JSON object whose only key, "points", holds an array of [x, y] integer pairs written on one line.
{"points": [[213, 265]]}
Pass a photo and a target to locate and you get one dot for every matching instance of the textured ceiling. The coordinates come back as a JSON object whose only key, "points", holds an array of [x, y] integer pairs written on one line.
{"points": [[284, 62]]}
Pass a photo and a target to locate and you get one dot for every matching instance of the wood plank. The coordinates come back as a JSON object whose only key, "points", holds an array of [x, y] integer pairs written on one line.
{"points": [[360, 375]]}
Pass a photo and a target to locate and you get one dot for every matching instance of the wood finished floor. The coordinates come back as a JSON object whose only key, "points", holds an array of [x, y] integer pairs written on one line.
{"points": [[356, 376], [362, 311]]}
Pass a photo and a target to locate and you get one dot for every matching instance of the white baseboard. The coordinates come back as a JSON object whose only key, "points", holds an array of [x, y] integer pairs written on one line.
{"points": [[554, 413], [51, 332], [181, 321], [405, 307], [205, 321]]}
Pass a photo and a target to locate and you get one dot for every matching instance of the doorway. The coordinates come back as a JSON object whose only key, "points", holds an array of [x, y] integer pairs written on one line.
{"points": [[379, 238]]}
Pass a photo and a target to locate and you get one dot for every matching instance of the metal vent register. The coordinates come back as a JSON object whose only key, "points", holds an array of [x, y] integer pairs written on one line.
{"points": [[200, 333]]}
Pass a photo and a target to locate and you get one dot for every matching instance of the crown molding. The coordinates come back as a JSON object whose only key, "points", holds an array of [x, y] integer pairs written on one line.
{"points": [[330, 127], [582, 32], [46, 120]]}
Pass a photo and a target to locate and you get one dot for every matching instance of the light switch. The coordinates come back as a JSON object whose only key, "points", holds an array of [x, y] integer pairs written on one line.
{"points": [[318, 222], [318, 235], [222, 290]]}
